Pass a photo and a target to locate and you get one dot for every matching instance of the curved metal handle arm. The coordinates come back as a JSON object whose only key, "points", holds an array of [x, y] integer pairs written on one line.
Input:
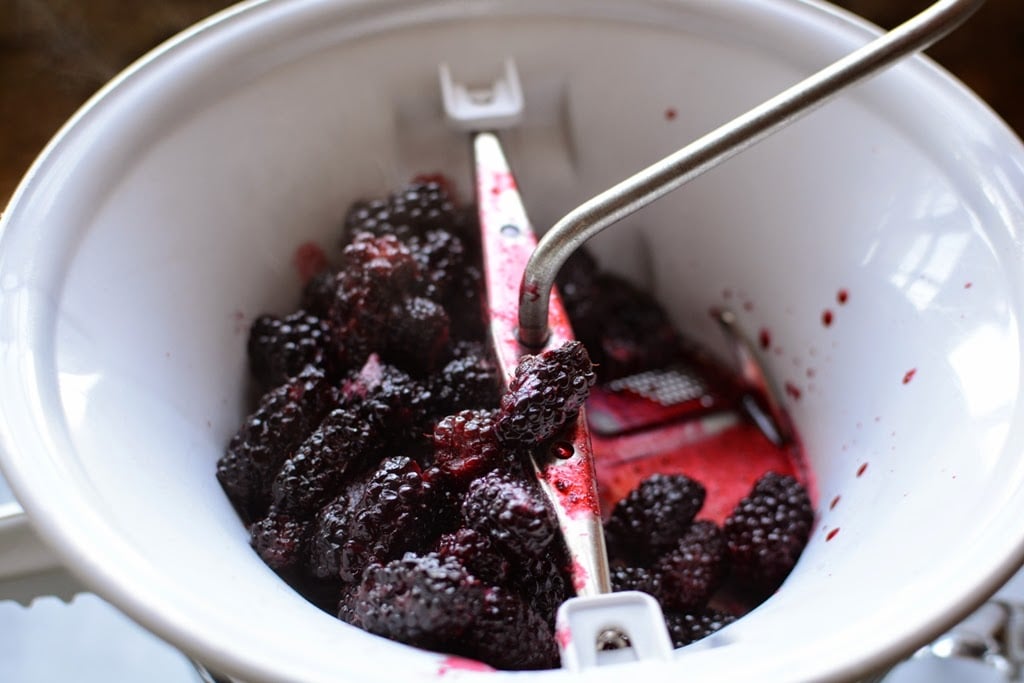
{"points": [[666, 175]]}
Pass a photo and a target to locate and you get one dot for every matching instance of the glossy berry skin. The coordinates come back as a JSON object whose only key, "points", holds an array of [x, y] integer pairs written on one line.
{"points": [[394, 512], [279, 348], [441, 256], [653, 517], [545, 394], [281, 540], [509, 634], [410, 211], [283, 419], [466, 446], [421, 600], [418, 334], [513, 515], [768, 530], [689, 627], [624, 578], [477, 553], [690, 573], [345, 439], [469, 381]]}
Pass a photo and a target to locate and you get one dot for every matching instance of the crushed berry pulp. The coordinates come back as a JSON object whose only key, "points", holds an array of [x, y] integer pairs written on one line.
{"points": [[385, 471]]}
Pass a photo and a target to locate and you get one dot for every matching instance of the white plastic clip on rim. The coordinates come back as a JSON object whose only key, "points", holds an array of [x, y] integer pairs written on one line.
{"points": [[612, 628], [498, 105]]}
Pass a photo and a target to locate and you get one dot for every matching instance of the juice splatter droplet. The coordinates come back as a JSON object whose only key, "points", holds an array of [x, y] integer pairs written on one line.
{"points": [[748, 306], [826, 317], [309, 259], [909, 375], [967, 285], [842, 296], [832, 505], [764, 338], [453, 663], [793, 391], [832, 534], [562, 450], [863, 468], [670, 114]]}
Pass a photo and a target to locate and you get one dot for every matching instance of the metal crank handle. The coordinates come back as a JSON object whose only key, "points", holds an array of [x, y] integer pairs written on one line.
{"points": [[705, 153]]}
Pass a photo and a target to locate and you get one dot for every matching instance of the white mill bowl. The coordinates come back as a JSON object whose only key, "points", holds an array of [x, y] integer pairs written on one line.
{"points": [[164, 217]]}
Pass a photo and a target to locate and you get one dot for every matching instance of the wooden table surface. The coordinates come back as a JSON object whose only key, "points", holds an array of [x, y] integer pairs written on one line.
{"points": [[55, 53]]}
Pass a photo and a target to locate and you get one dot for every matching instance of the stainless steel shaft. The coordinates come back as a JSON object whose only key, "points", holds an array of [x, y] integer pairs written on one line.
{"points": [[670, 173]]}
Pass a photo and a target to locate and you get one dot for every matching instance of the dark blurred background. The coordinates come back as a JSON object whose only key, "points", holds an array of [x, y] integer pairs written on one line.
{"points": [[55, 53]]}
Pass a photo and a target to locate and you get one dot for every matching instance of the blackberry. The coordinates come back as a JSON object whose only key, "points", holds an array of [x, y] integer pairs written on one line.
{"points": [[653, 517], [318, 294], [477, 553], [634, 579], [382, 262], [546, 393], [511, 514], [637, 334], [509, 634], [394, 513], [466, 446], [280, 348], [283, 419], [281, 540], [344, 440], [689, 574], [543, 581], [768, 530], [422, 600], [441, 257], [467, 382], [410, 211], [417, 335], [689, 627], [330, 531], [391, 399]]}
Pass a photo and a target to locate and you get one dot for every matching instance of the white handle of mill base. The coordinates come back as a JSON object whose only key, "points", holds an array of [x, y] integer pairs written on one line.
{"points": [[28, 568]]}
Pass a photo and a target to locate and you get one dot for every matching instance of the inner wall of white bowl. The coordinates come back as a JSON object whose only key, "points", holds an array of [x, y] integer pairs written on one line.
{"points": [[906, 402]]}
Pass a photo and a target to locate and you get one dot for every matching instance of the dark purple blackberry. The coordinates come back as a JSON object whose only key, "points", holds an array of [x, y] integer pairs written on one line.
{"points": [[511, 514], [441, 257], [689, 574], [417, 335], [625, 329], [329, 533], [477, 553], [653, 517], [395, 513], [381, 261], [344, 440], [768, 530], [690, 627], [466, 446], [392, 399], [283, 419], [319, 292], [412, 210], [544, 582], [546, 393], [517, 520], [280, 348], [638, 334], [509, 634], [634, 579], [426, 601], [467, 382], [281, 540]]}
